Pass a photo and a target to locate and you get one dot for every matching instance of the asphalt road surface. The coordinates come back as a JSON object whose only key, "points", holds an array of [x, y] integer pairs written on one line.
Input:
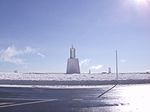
{"points": [[68, 100]]}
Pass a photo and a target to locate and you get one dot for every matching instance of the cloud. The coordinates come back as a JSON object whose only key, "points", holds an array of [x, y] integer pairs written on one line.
{"points": [[41, 55], [148, 70], [96, 67], [86, 65], [12, 54], [29, 50], [123, 60], [85, 62]]}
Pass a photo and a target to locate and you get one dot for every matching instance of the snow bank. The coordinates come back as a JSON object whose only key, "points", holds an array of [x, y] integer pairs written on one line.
{"points": [[71, 77]]}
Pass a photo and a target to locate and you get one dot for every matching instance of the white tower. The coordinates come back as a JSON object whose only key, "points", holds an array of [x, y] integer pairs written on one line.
{"points": [[72, 52], [73, 62]]}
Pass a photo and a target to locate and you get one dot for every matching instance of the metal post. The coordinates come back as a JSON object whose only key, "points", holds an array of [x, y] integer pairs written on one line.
{"points": [[116, 65]]}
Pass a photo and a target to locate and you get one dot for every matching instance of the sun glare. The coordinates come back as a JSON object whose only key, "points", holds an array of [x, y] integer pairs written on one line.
{"points": [[139, 1], [136, 98], [140, 5], [142, 2]]}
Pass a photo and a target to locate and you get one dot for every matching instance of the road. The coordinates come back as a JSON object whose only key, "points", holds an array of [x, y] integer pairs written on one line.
{"points": [[67, 100]]}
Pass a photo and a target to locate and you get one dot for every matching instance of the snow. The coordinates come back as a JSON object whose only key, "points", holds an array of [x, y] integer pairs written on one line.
{"points": [[53, 86], [71, 77]]}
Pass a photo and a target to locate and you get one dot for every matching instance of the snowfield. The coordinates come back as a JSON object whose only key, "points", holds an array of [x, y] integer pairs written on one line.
{"points": [[72, 77], [61, 80]]}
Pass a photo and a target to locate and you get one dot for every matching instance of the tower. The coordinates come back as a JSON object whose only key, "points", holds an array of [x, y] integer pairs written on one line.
{"points": [[73, 62]]}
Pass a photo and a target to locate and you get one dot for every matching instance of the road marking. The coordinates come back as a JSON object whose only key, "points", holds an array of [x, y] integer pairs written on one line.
{"points": [[27, 103], [77, 99], [24, 99], [6, 103]]}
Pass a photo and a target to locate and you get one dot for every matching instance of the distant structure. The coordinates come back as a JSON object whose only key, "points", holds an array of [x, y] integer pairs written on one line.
{"points": [[73, 62], [89, 71], [109, 70], [15, 71]]}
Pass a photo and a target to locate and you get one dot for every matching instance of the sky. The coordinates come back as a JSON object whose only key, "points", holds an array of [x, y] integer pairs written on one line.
{"points": [[35, 35]]}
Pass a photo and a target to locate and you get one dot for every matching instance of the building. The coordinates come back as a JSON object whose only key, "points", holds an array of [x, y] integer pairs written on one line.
{"points": [[73, 62], [109, 70]]}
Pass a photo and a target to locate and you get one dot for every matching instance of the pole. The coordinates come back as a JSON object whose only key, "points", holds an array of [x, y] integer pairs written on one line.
{"points": [[116, 65], [116, 78]]}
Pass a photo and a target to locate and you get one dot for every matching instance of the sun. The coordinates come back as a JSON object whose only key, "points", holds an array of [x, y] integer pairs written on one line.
{"points": [[141, 2]]}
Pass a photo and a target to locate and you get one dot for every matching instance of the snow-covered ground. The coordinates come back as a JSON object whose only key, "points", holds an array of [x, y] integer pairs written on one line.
{"points": [[71, 77], [54, 86]]}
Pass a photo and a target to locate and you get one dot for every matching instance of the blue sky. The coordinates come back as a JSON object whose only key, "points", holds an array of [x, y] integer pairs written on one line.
{"points": [[35, 35]]}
